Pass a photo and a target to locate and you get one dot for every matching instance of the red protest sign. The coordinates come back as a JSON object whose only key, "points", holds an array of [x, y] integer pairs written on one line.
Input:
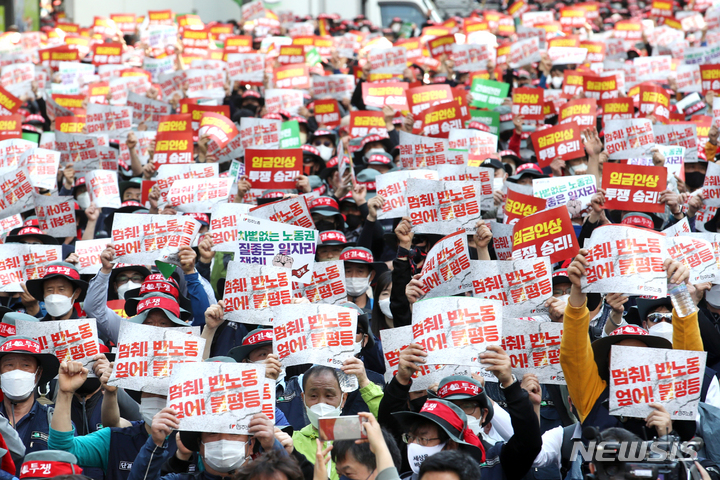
{"points": [[528, 102], [628, 30], [9, 103], [572, 83], [582, 111], [654, 101], [710, 75], [600, 88], [518, 205], [441, 45], [10, 126], [219, 128], [617, 109], [366, 122], [548, 233], [327, 112], [633, 187], [175, 123], [145, 190], [198, 111], [571, 17], [291, 54], [125, 22], [73, 103], [238, 44], [69, 124], [292, 76], [422, 98], [438, 120], [273, 169], [173, 147], [378, 95], [107, 53], [596, 50], [662, 8], [561, 141]]}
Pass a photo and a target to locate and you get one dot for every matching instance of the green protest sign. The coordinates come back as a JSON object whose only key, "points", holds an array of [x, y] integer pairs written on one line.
{"points": [[488, 93]]}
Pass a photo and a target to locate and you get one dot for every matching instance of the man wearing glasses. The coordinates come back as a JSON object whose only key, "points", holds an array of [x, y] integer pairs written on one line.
{"points": [[656, 316], [125, 278]]}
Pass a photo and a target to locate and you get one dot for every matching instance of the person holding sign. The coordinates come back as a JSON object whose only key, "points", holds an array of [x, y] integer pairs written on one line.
{"points": [[22, 369], [587, 367], [59, 288]]}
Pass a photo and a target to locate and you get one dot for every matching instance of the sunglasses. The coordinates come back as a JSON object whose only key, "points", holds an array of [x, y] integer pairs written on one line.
{"points": [[326, 143], [657, 317]]}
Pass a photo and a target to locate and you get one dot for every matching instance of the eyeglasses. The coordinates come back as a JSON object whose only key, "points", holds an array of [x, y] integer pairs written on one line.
{"points": [[327, 143], [123, 279], [468, 408], [408, 438], [657, 317], [561, 291]]}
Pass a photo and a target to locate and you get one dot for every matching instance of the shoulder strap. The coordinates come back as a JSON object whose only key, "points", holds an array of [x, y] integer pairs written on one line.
{"points": [[50, 411], [566, 449]]}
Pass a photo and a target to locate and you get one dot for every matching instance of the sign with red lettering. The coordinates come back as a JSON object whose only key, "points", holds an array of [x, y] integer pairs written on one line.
{"points": [[198, 195], [292, 211], [366, 122], [634, 187], [173, 148], [388, 60], [561, 141], [534, 347], [528, 102], [250, 290], [142, 239], [455, 330], [422, 98], [436, 206], [437, 121], [88, 252], [548, 233], [103, 188], [314, 333], [169, 174], [270, 169], [292, 76], [327, 285], [219, 128], [447, 268], [23, 262], [147, 355], [56, 215], [378, 95], [68, 340], [628, 138], [518, 205], [224, 225], [641, 376]]}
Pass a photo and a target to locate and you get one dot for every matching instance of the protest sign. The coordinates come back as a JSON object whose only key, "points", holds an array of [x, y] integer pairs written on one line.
{"points": [[68, 340], [42, 166], [10, 223], [10, 126], [56, 215], [455, 330], [654, 101], [633, 187], [338, 87], [167, 175], [472, 57], [522, 285], [460, 173], [393, 94], [681, 135], [625, 259], [524, 52], [420, 99], [198, 195], [476, 142], [436, 206], [447, 269], [264, 242], [142, 239], [250, 290], [640, 376], [600, 88], [147, 355], [146, 110], [216, 397], [103, 188], [173, 148], [290, 54], [314, 333], [573, 83], [88, 252], [548, 233], [698, 256], [561, 141], [528, 102], [291, 77], [392, 186], [291, 211], [23, 262], [9, 104], [394, 340], [277, 99], [260, 132], [437, 121], [11, 152], [680, 228], [502, 239], [418, 151], [534, 347], [628, 138], [673, 160], [15, 192], [271, 169], [518, 205], [224, 225], [327, 112], [574, 191], [582, 111], [387, 60], [488, 93], [327, 286], [107, 118], [219, 129], [246, 68], [364, 123]]}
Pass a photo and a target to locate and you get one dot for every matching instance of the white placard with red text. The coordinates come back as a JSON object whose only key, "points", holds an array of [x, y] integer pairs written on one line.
{"points": [[142, 239], [440, 207], [103, 188], [198, 195], [251, 290], [56, 215], [68, 340], [169, 174], [292, 211], [392, 186], [20, 263], [534, 347], [447, 269], [698, 256], [327, 286], [88, 252]]}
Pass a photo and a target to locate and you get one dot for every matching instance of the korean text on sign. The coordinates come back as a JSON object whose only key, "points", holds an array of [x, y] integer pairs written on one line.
{"points": [[250, 290], [443, 207], [447, 269], [327, 286], [534, 347], [548, 233], [634, 187]]}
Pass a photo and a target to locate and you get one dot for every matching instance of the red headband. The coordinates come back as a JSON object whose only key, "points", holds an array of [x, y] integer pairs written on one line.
{"points": [[258, 337], [31, 231], [638, 220], [7, 330], [324, 202], [357, 254], [459, 386], [449, 415], [48, 469], [629, 330], [159, 286], [332, 235], [159, 302], [159, 276], [20, 345], [61, 270]]}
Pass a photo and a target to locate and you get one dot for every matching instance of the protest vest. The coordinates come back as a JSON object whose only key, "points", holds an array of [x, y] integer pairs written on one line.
{"points": [[33, 429], [492, 468], [125, 444]]}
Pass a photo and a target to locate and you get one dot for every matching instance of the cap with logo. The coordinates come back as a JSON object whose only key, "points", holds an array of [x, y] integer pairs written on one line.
{"points": [[20, 345], [64, 270], [22, 233], [460, 387], [260, 337], [159, 301], [49, 464], [601, 347]]}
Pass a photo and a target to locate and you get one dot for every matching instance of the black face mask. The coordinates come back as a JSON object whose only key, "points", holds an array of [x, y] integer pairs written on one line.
{"points": [[417, 255], [417, 404], [353, 221], [90, 385], [694, 180], [252, 107], [325, 225]]}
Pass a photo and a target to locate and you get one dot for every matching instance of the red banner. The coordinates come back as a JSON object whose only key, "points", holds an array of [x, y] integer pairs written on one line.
{"points": [[107, 53], [273, 169], [528, 102], [656, 102], [633, 187], [366, 122], [292, 76], [600, 88], [710, 75], [219, 128], [198, 111], [441, 45], [582, 111], [173, 147], [238, 44], [327, 112], [438, 120], [422, 98], [561, 141], [9, 103], [291, 54], [572, 83], [10, 126], [549, 233], [69, 124], [617, 109], [518, 205]]}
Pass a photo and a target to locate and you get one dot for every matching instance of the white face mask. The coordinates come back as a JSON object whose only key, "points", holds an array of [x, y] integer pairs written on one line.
{"points": [[17, 385], [417, 454], [325, 152], [122, 289], [373, 151], [578, 169], [150, 406], [58, 305], [224, 455], [556, 82], [385, 307], [321, 410], [662, 329], [83, 200], [474, 425], [356, 286]]}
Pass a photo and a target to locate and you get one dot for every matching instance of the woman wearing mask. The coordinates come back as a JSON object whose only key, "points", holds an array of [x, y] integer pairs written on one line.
{"points": [[381, 315], [323, 397]]}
